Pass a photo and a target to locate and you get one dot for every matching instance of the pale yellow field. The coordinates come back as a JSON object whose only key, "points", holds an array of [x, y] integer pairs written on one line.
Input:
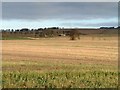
{"points": [[62, 50]]}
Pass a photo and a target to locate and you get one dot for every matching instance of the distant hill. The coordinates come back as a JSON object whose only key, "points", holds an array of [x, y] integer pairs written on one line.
{"points": [[98, 31]]}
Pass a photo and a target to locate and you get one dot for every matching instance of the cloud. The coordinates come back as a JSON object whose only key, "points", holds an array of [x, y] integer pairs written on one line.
{"points": [[93, 23], [67, 14], [89, 24], [58, 10]]}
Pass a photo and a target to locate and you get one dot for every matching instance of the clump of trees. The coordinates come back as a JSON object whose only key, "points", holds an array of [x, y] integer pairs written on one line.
{"points": [[74, 34]]}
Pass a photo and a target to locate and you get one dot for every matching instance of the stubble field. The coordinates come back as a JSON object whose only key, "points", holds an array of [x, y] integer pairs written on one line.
{"points": [[60, 63]]}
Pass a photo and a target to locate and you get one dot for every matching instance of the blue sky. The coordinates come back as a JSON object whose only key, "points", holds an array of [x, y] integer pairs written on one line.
{"points": [[17, 15]]}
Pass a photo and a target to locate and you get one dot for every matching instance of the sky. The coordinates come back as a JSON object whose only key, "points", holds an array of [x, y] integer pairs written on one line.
{"points": [[17, 15]]}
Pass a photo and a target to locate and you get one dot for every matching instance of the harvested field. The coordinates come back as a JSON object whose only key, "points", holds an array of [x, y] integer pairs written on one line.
{"points": [[60, 62]]}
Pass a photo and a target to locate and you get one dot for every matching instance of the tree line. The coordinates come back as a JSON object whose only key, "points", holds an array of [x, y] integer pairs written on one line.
{"points": [[47, 32]]}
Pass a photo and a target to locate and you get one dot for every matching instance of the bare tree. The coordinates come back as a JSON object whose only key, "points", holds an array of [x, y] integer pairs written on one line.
{"points": [[74, 34]]}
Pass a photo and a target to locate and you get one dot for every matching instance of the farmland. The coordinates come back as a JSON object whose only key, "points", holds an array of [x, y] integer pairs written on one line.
{"points": [[91, 62]]}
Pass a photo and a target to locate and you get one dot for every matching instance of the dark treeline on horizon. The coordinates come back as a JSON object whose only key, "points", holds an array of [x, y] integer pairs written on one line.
{"points": [[73, 33], [27, 29]]}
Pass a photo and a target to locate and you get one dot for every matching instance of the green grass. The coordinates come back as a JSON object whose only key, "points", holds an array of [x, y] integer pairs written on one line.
{"points": [[63, 79], [15, 38], [53, 75]]}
